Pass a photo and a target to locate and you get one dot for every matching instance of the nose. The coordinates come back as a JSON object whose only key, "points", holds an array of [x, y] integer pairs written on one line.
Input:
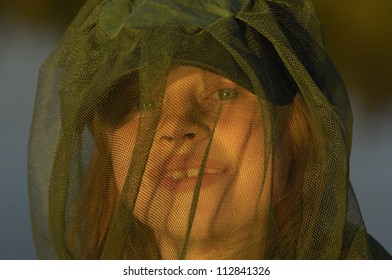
{"points": [[181, 129]]}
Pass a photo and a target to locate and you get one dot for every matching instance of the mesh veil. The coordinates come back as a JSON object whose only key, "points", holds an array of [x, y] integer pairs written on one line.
{"points": [[204, 130]]}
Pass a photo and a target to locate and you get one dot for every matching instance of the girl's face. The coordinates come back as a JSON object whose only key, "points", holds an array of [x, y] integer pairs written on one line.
{"points": [[199, 107]]}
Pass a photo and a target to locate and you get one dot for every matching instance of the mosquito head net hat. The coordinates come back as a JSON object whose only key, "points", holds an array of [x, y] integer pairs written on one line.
{"points": [[206, 130]]}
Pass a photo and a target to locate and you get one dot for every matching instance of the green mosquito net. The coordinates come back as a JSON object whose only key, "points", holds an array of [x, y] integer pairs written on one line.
{"points": [[211, 129]]}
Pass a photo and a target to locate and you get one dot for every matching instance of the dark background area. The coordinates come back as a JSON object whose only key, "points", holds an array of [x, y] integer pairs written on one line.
{"points": [[358, 39]]}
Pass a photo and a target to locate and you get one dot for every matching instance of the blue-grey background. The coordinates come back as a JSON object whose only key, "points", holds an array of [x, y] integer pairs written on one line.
{"points": [[23, 48]]}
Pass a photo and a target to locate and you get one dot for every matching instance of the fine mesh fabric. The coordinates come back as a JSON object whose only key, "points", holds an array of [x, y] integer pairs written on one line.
{"points": [[211, 129]]}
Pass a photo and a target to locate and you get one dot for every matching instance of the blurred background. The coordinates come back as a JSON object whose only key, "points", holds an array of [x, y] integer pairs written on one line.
{"points": [[358, 39]]}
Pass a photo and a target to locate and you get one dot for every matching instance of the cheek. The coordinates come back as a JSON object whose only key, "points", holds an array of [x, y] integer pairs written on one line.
{"points": [[251, 170], [240, 137], [240, 132], [122, 144]]}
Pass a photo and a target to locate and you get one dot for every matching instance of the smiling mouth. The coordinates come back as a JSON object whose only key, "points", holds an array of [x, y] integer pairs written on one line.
{"points": [[194, 172]]}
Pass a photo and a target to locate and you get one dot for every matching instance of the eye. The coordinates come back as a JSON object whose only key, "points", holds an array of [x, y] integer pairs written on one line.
{"points": [[225, 94]]}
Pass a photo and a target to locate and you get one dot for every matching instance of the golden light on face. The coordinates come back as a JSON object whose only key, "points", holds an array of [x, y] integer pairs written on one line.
{"points": [[199, 106]]}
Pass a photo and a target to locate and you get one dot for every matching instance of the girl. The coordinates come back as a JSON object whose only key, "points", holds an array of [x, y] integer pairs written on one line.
{"points": [[204, 130]]}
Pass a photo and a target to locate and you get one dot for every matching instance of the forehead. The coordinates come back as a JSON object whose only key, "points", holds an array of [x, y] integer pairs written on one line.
{"points": [[190, 75]]}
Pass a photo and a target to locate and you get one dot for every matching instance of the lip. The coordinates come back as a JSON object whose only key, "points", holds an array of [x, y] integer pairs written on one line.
{"points": [[193, 172], [181, 173]]}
